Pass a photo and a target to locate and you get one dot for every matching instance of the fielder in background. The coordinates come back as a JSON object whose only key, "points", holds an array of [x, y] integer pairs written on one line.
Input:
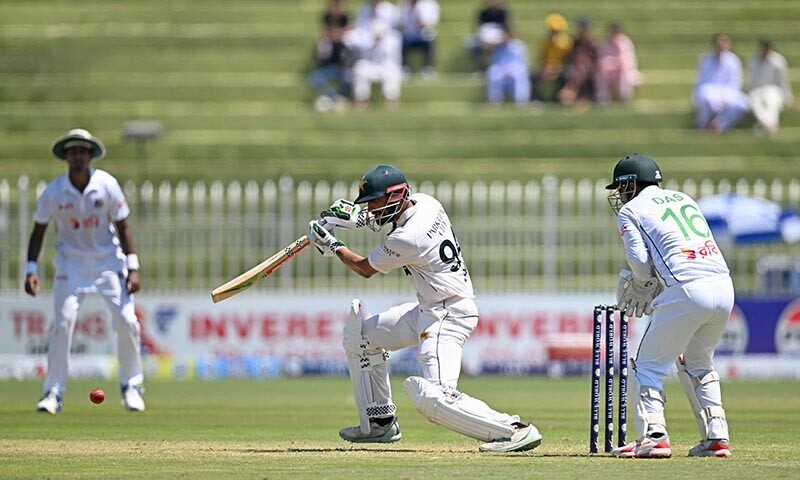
{"points": [[421, 242], [679, 275], [86, 204]]}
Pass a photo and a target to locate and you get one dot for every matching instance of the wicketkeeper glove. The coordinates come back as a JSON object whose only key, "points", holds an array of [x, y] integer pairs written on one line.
{"points": [[324, 240], [635, 297], [346, 214]]}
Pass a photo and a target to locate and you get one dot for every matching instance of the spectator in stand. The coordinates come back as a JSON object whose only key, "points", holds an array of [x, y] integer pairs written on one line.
{"points": [[336, 16], [618, 71], [331, 80], [380, 62], [717, 92], [582, 67], [493, 12], [769, 87], [553, 52], [378, 10], [508, 70], [418, 22]]}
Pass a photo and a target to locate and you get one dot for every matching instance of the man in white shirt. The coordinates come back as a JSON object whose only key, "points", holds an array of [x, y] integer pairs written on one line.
{"points": [[680, 276], [770, 90], [718, 94], [418, 24], [379, 61], [86, 205], [423, 244]]}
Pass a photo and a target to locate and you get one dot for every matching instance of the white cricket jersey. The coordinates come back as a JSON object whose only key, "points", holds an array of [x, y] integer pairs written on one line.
{"points": [[85, 221], [423, 243], [665, 229]]}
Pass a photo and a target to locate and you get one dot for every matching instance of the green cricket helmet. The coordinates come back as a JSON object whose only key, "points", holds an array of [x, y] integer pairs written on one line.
{"points": [[384, 180], [628, 172], [638, 167]]}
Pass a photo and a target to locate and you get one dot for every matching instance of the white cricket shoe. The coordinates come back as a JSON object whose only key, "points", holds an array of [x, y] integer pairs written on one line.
{"points": [[646, 448], [132, 398], [526, 437], [711, 448], [50, 403], [377, 434]]}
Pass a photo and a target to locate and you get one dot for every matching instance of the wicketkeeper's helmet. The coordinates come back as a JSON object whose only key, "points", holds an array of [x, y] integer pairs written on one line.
{"points": [[637, 167]]}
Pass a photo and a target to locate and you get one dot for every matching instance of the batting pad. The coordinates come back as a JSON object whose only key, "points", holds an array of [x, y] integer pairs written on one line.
{"points": [[458, 411], [368, 373]]}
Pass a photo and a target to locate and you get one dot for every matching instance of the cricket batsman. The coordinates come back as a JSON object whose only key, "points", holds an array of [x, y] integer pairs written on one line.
{"points": [[421, 242], [86, 205], [678, 276]]}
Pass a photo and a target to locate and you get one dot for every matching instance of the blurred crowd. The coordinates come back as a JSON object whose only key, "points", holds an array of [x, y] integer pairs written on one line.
{"points": [[383, 41]]}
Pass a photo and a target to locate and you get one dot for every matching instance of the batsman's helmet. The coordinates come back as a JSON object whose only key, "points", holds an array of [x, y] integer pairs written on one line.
{"points": [[78, 138], [377, 181], [383, 180], [636, 167]]}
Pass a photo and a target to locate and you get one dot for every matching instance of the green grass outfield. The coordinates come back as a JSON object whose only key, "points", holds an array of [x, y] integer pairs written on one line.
{"points": [[288, 429]]}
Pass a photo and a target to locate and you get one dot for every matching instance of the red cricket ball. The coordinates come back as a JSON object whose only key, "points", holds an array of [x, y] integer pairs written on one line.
{"points": [[97, 396]]}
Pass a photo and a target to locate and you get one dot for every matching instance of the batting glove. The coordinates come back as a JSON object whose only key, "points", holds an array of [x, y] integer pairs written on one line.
{"points": [[346, 214], [635, 297], [324, 240]]}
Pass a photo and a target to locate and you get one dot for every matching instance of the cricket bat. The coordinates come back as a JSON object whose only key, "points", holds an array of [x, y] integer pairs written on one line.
{"points": [[263, 269]]}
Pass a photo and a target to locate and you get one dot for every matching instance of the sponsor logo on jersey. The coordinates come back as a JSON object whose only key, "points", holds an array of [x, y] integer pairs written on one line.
{"points": [[623, 230], [98, 203], [66, 206], [388, 251], [787, 334], [735, 337], [708, 249]]}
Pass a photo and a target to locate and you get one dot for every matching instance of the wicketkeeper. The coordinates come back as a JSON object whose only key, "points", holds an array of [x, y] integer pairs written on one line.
{"points": [[421, 242], [679, 276]]}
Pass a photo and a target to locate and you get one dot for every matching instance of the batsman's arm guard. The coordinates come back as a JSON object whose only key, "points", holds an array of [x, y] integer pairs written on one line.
{"points": [[458, 411]]}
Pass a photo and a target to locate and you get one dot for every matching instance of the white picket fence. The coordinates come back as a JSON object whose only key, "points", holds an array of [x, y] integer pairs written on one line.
{"points": [[540, 235]]}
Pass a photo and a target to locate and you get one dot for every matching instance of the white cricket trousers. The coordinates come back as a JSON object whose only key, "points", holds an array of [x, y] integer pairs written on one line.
{"points": [[767, 103], [389, 74], [439, 332], [72, 284], [687, 318]]}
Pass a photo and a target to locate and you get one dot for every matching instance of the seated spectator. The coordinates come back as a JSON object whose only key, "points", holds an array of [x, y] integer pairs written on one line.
{"points": [[717, 92], [331, 80], [508, 69], [769, 87], [493, 12], [378, 10], [553, 52], [380, 62], [582, 67], [418, 22], [336, 16], [618, 73]]}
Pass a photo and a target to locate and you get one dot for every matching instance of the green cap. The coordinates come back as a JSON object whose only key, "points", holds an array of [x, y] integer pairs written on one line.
{"points": [[377, 180], [635, 167]]}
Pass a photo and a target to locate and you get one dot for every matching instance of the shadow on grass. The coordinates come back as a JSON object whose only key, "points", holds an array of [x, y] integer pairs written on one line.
{"points": [[412, 450]]}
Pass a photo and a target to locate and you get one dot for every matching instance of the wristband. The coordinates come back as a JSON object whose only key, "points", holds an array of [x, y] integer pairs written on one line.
{"points": [[30, 267], [133, 261]]}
